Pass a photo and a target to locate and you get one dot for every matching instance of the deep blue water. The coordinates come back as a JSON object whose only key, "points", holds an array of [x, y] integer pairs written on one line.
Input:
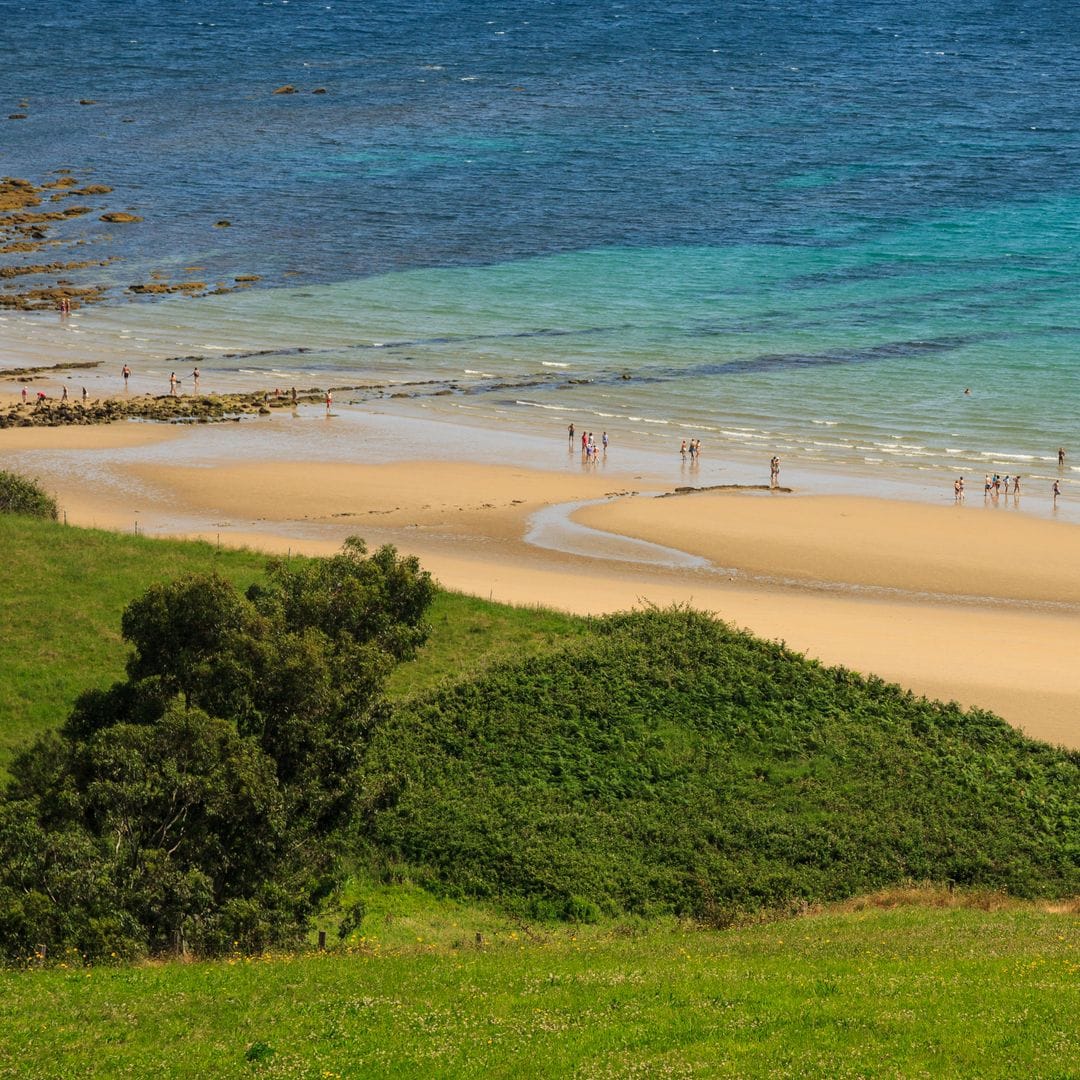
{"points": [[777, 215], [455, 133]]}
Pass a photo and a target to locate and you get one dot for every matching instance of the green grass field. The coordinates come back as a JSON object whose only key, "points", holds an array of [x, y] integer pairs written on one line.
{"points": [[926, 984], [908, 991]]}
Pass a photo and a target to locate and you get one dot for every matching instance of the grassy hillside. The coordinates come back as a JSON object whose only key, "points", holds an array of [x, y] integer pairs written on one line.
{"points": [[610, 773], [664, 762], [909, 991], [65, 588]]}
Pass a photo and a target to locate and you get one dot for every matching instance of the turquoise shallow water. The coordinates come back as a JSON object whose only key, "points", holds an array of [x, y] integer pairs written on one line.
{"points": [[777, 230]]}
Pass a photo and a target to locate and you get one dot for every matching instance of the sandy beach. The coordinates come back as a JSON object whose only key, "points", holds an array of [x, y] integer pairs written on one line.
{"points": [[957, 603]]}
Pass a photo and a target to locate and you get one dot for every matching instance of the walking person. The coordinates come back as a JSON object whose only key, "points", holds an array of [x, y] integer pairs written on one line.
{"points": [[570, 432], [1056, 491], [1016, 485], [603, 440], [329, 400], [172, 384], [195, 377], [127, 375]]}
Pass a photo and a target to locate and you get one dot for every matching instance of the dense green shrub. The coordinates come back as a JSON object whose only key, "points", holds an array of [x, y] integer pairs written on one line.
{"points": [[21, 495], [198, 803], [667, 763]]}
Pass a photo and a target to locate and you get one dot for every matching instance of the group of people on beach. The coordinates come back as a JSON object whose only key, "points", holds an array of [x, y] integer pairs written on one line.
{"points": [[996, 485], [590, 448], [689, 448], [42, 396], [174, 382]]}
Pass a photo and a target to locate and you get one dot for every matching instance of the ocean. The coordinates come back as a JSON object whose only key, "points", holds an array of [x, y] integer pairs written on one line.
{"points": [[845, 233]]}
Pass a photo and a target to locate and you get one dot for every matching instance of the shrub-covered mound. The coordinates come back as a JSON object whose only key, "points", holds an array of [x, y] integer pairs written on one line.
{"points": [[670, 763], [21, 495]]}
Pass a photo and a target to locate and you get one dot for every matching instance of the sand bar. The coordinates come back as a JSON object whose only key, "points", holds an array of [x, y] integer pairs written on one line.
{"points": [[948, 550]]}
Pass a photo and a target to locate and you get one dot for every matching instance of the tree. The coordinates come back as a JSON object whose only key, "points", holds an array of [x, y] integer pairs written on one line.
{"points": [[199, 801]]}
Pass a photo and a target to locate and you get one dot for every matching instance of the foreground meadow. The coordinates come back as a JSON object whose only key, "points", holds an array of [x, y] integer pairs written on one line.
{"points": [[591, 779], [911, 990]]}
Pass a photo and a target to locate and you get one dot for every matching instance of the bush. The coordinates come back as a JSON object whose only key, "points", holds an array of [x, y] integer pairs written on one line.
{"points": [[21, 495], [666, 763]]}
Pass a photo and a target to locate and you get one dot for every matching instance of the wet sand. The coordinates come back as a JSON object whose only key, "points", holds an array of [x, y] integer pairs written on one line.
{"points": [[876, 585]]}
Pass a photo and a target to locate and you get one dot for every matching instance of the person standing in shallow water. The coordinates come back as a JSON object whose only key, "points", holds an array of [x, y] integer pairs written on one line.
{"points": [[1061, 456], [127, 375], [570, 432]]}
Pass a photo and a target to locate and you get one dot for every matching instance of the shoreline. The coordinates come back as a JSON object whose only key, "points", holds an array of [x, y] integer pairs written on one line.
{"points": [[888, 594], [269, 339]]}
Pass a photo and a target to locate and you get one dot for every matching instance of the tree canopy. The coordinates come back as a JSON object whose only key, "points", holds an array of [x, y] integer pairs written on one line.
{"points": [[198, 803]]}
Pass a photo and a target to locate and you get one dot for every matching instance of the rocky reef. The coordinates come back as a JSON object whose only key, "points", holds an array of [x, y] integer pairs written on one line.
{"points": [[190, 409], [30, 222]]}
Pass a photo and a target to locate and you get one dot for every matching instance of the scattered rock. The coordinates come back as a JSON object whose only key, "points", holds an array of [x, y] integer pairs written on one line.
{"points": [[288, 88], [87, 101], [29, 372], [247, 277], [18, 194], [157, 289], [319, 90], [17, 116], [224, 223], [120, 218], [46, 268]]}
